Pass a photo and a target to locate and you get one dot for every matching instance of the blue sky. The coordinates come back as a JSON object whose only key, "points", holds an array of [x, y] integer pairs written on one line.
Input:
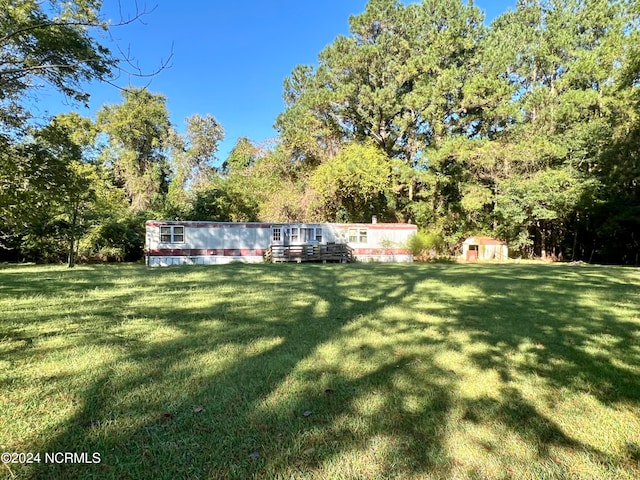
{"points": [[229, 57]]}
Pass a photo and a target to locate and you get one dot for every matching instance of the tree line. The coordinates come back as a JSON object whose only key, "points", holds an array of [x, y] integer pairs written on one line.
{"points": [[526, 130]]}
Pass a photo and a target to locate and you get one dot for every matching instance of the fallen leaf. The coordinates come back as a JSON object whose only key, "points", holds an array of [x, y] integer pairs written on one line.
{"points": [[198, 409], [309, 451], [166, 415]]}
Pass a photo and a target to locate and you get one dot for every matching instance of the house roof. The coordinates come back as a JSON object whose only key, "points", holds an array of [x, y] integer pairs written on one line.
{"points": [[480, 240], [216, 224]]}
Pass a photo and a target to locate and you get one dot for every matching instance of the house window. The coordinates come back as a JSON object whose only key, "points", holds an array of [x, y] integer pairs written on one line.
{"points": [[357, 235], [306, 234], [277, 234], [309, 234], [172, 234]]}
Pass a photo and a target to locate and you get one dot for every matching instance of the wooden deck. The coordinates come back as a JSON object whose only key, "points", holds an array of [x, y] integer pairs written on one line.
{"points": [[337, 252]]}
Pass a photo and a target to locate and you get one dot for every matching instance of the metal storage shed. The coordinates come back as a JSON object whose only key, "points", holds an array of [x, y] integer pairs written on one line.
{"points": [[484, 248]]}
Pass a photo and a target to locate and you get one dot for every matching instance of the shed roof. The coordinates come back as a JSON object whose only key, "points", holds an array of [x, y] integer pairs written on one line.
{"points": [[481, 240]]}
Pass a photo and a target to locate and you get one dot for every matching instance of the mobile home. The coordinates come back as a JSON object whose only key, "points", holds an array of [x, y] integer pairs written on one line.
{"points": [[191, 242]]}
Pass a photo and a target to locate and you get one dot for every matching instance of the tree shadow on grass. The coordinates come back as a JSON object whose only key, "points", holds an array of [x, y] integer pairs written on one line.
{"points": [[563, 323], [179, 409], [570, 332], [334, 371]]}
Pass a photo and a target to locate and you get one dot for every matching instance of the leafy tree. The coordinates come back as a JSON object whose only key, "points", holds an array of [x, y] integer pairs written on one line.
{"points": [[138, 132], [45, 182], [69, 137], [193, 156], [242, 156], [224, 200], [117, 237], [50, 188], [394, 81], [354, 184], [53, 44], [281, 187], [202, 139], [540, 207], [546, 100], [30, 174]]}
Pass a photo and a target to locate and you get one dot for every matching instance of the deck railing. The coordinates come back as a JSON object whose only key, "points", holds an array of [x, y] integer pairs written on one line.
{"points": [[309, 252]]}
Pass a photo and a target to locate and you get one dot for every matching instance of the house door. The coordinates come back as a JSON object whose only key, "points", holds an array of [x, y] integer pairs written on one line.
{"points": [[280, 235], [472, 253]]}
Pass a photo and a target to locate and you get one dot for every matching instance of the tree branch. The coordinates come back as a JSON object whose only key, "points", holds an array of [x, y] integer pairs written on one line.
{"points": [[104, 67], [76, 23]]}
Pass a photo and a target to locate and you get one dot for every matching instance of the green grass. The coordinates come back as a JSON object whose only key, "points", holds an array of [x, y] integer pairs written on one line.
{"points": [[409, 371]]}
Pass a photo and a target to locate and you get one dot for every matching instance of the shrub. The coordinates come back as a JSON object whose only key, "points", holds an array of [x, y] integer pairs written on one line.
{"points": [[425, 246], [116, 240]]}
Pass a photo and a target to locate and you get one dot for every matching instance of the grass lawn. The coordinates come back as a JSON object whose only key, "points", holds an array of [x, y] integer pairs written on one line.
{"points": [[322, 371]]}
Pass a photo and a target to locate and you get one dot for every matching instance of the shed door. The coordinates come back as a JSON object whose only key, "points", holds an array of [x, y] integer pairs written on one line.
{"points": [[472, 253]]}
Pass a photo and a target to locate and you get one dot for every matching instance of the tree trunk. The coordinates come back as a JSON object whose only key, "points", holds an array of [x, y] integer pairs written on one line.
{"points": [[543, 245], [71, 261], [72, 238]]}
